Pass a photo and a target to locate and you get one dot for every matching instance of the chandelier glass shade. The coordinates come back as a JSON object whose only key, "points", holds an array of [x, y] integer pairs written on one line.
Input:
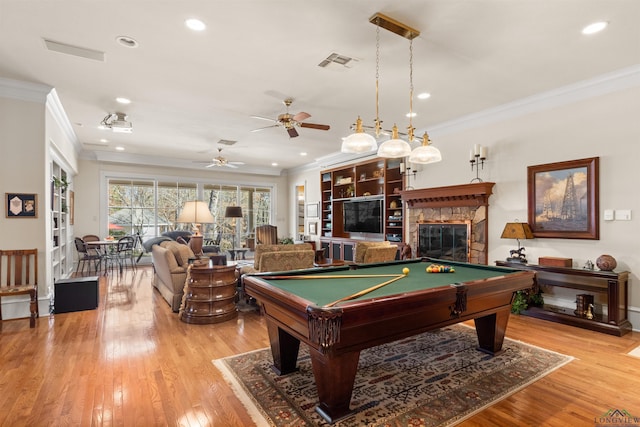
{"points": [[359, 141], [395, 147], [425, 153]]}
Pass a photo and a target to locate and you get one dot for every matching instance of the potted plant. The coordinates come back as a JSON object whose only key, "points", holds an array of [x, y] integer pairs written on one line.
{"points": [[524, 299], [61, 183]]}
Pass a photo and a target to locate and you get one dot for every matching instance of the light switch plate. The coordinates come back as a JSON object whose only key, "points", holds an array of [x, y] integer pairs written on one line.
{"points": [[608, 214], [623, 215]]}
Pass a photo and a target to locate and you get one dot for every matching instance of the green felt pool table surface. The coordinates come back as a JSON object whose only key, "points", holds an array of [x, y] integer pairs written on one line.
{"points": [[323, 291]]}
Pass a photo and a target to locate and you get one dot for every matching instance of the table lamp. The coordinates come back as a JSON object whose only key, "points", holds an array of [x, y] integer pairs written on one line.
{"points": [[517, 230], [195, 212], [233, 212]]}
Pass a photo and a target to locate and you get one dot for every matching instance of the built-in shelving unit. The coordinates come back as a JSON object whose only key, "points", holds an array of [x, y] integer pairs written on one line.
{"points": [[61, 233], [374, 179]]}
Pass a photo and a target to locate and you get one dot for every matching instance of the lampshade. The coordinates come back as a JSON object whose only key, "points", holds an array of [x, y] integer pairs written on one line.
{"points": [[359, 141], [395, 147], [195, 212], [426, 153], [233, 212], [517, 230]]}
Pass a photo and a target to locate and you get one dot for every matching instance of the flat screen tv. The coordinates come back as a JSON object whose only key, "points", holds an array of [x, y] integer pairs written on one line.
{"points": [[363, 216]]}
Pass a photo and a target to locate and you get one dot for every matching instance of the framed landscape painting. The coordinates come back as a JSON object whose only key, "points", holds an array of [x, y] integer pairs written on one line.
{"points": [[563, 199]]}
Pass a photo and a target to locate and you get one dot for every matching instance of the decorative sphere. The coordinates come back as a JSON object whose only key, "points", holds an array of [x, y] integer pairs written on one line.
{"points": [[606, 262]]}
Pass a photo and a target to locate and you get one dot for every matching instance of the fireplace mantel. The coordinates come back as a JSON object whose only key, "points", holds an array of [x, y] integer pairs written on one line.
{"points": [[474, 194]]}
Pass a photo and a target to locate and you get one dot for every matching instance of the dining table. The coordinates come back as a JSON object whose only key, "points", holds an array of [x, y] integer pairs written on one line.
{"points": [[105, 249]]}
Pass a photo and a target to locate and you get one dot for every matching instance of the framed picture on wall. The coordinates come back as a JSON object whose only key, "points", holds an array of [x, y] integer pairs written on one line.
{"points": [[21, 205], [563, 199], [313, 228], [312, 210]]}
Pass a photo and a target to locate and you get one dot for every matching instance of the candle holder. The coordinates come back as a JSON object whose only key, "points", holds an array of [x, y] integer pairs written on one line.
{"points": [[477, 156], [408, 172]]}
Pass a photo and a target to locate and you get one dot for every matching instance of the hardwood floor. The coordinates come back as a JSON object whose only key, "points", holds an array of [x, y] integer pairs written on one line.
{"points": [[132, 362]]}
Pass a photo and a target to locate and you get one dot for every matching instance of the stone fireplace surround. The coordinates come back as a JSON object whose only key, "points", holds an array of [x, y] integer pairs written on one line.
{"points": [[467, 202]]}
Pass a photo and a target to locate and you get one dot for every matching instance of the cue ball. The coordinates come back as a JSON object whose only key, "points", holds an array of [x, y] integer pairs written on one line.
{"points": [[405, 271]]}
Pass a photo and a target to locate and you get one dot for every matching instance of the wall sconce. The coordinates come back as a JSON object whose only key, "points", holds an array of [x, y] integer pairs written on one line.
{"points": [[477, 156], [408, 172]]}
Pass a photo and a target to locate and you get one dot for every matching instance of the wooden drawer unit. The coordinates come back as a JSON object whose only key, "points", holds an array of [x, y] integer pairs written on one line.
{"points": [[209, 295]]}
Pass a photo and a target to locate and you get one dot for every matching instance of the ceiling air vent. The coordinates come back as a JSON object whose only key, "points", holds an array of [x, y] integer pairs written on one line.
{"points": [[337, 59], [74, 50]]}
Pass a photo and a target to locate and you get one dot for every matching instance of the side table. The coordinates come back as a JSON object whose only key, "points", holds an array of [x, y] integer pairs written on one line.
{"points": [[209, 294]]}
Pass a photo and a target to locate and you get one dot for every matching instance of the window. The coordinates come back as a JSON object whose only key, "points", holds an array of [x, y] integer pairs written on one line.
{"points": [[151, 207]]}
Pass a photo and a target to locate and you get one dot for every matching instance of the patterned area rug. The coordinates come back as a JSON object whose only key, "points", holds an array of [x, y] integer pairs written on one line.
{"points": [[434, 379]]}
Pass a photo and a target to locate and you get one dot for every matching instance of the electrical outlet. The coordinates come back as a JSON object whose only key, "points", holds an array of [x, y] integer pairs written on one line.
{"points": [[623, 215]]}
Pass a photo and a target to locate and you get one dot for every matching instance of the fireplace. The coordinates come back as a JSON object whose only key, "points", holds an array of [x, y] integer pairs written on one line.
{"points": [[466, 205], [444, 240]]}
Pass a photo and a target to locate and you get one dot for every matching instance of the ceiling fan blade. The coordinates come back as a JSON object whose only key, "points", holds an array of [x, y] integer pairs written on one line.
{"points": [[235, 163], [229, 165], [292, 132], [314, 126], [301, 116], [266, 127], [212, 165], [264, 118]]}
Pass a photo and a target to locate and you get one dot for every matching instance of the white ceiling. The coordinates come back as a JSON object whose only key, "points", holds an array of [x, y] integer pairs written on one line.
{"points": [[189, 90]]}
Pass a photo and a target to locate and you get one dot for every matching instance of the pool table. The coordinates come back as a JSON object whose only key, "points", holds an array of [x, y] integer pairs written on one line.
{"points": [[303, 305]]}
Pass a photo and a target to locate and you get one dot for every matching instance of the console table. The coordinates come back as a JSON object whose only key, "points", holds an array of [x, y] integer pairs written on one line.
{"points": [[209, 294], [610, 286]]}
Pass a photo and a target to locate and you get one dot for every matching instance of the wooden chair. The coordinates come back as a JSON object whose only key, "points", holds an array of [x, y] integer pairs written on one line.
{"points": [[19, 276], [266, 235]]}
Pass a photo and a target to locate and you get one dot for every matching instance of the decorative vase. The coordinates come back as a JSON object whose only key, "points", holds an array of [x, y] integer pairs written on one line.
{"points": [[606, 262]]}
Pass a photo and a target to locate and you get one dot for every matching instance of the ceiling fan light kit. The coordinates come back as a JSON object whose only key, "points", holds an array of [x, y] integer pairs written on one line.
{"points": [[290, 121]]}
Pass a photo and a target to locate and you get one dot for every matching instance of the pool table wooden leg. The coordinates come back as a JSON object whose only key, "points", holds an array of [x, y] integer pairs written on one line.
{"points": [[284, 348], [491, 329], [335, 376]]}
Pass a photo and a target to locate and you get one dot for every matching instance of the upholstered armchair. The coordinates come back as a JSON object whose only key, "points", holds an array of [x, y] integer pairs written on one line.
{"points": [[266, 235], [370, 252]]}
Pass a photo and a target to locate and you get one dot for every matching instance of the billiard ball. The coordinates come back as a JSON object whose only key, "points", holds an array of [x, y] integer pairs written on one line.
{"points": [[405, 271]]}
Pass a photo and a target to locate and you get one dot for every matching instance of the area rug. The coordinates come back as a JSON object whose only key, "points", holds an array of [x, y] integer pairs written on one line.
{"points": [[434, 379]]}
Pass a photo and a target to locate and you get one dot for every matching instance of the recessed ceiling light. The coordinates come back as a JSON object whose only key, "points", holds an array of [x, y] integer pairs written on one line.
{"points": [[119, 148], [195, 24], [127, 41], [303, 154], [122, 100], [596, 27], [411, 114], [104, 140], [424, 95], [274, 164]]}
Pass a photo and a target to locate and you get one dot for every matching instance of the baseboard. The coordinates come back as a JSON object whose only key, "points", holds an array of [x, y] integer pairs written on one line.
{"points": [[18, 307]]}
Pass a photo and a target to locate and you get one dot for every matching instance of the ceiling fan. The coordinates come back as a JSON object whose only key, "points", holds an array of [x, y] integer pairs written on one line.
{"points": [[290, 121], [222, 161]]}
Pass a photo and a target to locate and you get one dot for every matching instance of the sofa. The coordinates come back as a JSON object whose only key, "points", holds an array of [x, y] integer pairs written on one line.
{"points": [[209, 246], [370, 252], [170, 262], [281, 258]]}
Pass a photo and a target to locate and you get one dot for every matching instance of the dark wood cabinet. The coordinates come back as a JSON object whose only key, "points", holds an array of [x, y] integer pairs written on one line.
{"points": [[376, 179], [608, 288], [209, 294]]}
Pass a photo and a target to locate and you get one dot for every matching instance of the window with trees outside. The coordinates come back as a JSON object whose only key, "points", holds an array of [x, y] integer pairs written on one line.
{"points": [[151, 207]]}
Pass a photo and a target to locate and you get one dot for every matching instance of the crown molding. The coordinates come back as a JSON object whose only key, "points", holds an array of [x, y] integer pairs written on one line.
{"points": [[601, 85], [60, 116], [24, 91]]}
